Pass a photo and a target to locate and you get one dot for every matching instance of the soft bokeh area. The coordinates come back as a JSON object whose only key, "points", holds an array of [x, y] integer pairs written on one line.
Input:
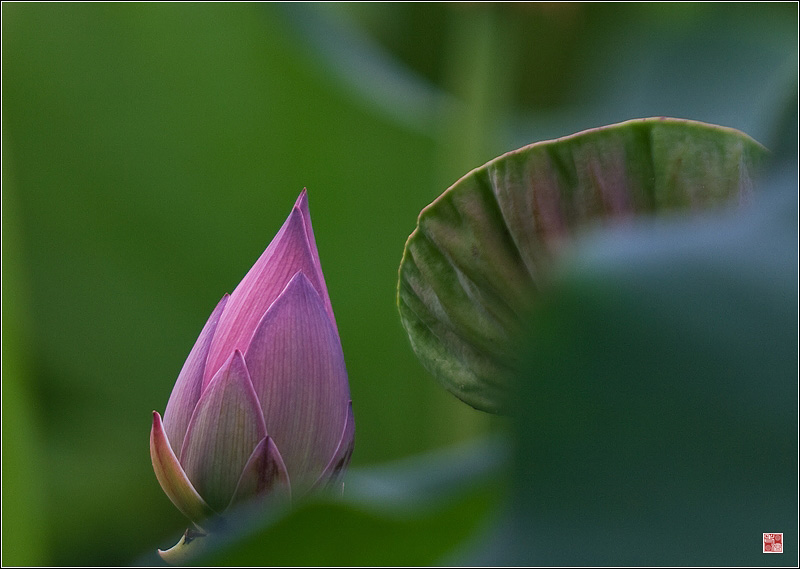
{"points": [[150, 153]]}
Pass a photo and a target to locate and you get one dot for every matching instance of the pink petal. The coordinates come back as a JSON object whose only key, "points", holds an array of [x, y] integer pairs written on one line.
{"points": [[172, 477], [225, 428], [298, 372], [186, 392], [302, 205], [333, 473], [288, 253], [264, 474]]}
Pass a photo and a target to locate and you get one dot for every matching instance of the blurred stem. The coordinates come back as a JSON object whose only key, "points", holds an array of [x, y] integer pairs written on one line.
{"points": [[480, 72], [24, 538]]}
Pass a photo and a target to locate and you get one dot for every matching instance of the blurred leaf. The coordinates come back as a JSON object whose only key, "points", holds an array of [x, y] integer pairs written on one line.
{"points": [[342, 535], [657, 411], [583, 64], [483, 249], [412, 512]]}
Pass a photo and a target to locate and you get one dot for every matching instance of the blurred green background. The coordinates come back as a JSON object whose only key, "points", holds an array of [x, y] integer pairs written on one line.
{"points": [[151, 152]]}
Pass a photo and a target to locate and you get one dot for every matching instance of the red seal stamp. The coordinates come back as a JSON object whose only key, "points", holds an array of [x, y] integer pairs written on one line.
{"points": [[773, 543]]}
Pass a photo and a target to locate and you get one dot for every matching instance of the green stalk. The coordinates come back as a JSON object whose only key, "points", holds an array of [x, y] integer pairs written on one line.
{"points": [[24, 537]]}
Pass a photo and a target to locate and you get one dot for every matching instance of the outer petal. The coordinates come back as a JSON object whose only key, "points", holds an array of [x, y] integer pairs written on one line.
{"points": [[333, 473], [298, 372], [287, 254], [225, 428], [265, 473], [186, 392], [172, 477], [302, 205]]}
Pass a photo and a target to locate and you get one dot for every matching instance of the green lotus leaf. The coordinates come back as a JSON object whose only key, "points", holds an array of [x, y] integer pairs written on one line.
{"points": [[481, 251]]}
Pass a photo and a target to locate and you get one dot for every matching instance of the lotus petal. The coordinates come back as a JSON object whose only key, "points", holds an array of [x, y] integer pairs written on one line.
{"points": [[298, 372], [288, 253], [187, 388], [302, 205], [341, 458], [265, 473], [223, 432], [173, 478]]}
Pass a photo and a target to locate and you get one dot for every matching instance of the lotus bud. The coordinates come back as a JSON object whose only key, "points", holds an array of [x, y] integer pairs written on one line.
{"points": [[262, 405]]}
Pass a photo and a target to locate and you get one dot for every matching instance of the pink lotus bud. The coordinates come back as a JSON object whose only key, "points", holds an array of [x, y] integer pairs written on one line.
{"points": [[262, 404]]}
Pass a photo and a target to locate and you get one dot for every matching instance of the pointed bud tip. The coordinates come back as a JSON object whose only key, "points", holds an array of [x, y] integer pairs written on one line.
{"points": [[301, 202]]}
